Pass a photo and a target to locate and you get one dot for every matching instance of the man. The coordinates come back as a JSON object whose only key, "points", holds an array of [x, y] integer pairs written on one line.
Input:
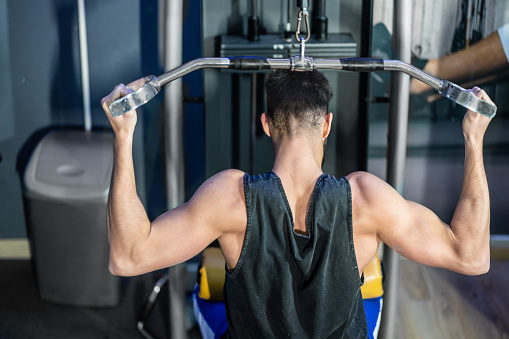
{"points": [[296, 240]]}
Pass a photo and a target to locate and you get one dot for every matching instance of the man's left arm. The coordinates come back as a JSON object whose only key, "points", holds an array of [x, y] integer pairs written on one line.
{"points": [[139, 246]]}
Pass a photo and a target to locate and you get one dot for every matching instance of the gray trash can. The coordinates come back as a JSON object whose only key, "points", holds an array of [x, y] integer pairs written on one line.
{"points": [[66, 190]]}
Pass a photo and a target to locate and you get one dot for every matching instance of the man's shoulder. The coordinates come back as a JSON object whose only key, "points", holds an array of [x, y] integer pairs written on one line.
{"points": [[366, 186], [362, 179], [230, 174], [227, 179], [228, 185], [222, 197]]}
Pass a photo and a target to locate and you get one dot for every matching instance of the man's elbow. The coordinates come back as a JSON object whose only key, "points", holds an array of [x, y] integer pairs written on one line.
{"points": [[117, 270], [122, 267], [479, 266], [479, 270]]}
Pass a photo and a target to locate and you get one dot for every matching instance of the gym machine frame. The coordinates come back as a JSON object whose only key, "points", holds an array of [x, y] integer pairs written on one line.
{"points": [[301, 62]]}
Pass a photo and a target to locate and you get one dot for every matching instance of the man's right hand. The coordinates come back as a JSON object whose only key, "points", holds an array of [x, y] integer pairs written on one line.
{"points": [[124, 124]]}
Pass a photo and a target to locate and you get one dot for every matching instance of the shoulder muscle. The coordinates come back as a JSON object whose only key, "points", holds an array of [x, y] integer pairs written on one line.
{"points": [[220, 200], [372, 200]]}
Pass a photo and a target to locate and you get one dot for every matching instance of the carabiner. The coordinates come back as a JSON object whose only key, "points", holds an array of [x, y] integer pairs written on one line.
{"points": [[299, 20]]}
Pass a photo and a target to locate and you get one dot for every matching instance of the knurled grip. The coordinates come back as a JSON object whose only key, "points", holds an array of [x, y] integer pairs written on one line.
{"points": [[247, 63]]}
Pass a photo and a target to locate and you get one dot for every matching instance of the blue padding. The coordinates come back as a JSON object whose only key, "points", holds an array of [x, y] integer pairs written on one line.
{"points": [[210, 315], [373, 309]]}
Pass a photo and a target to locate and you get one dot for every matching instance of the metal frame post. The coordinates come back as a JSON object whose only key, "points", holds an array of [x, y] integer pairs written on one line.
{"points": [[85, 76], [396, 149], [172, 26], [364, 85]]}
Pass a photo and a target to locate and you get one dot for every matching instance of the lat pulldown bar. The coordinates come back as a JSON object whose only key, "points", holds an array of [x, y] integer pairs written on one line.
{"points": [[301, 63]]}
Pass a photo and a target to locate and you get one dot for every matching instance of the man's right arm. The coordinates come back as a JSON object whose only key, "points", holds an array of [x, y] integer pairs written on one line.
{"points": [[381, 214]]}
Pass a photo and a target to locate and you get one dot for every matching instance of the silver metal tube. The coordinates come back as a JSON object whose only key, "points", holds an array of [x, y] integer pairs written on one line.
{"points": [[191, 66], [85, 76], [396, 65], [174, 152], [328, 64], [302, 63], [396, 148], [279, 63]]}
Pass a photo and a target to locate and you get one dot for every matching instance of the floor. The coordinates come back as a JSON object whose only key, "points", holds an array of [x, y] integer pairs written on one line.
{"points": [[432, 303], [24, 315], [435, 303]]}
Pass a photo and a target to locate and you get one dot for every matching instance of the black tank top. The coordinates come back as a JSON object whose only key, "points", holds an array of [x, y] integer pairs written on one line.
{"points": [[288, 285]]}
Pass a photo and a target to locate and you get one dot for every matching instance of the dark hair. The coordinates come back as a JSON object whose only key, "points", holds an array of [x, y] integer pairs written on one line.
{"points": [[296, 101]]}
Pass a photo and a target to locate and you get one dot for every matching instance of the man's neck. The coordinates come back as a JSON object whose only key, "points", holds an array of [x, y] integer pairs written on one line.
{"points": [[298, 160], [298, 165]]}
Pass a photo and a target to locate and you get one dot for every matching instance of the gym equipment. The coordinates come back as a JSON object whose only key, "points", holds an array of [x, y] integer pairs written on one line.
{"points": [[253, 23], [149, 305], [301, 62], [211, 274], [373, 279], [229, 59], [320, 21]]}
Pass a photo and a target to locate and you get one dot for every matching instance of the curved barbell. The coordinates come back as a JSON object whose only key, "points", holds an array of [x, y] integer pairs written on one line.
{"points": [[301, 63]]}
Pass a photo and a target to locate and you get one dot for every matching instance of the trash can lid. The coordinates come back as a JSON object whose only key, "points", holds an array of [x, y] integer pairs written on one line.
{"points": [[71, 165]]}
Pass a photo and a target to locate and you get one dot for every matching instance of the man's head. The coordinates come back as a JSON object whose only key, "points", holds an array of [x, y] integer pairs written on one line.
{"points": [[297, 102]]}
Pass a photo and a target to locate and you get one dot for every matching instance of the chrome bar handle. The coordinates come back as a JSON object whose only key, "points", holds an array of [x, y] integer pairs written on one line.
{"points": [[448, 89], [396, 65], [153, 84], [191, 66], [302, 63]]}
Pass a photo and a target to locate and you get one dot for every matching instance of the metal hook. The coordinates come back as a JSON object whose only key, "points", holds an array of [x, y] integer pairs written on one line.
{"points": [[299, 20], [302, 49]]}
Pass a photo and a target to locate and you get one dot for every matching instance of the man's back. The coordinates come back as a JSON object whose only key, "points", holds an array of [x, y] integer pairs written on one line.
{"points": [[298, 122], [289, 284]]}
